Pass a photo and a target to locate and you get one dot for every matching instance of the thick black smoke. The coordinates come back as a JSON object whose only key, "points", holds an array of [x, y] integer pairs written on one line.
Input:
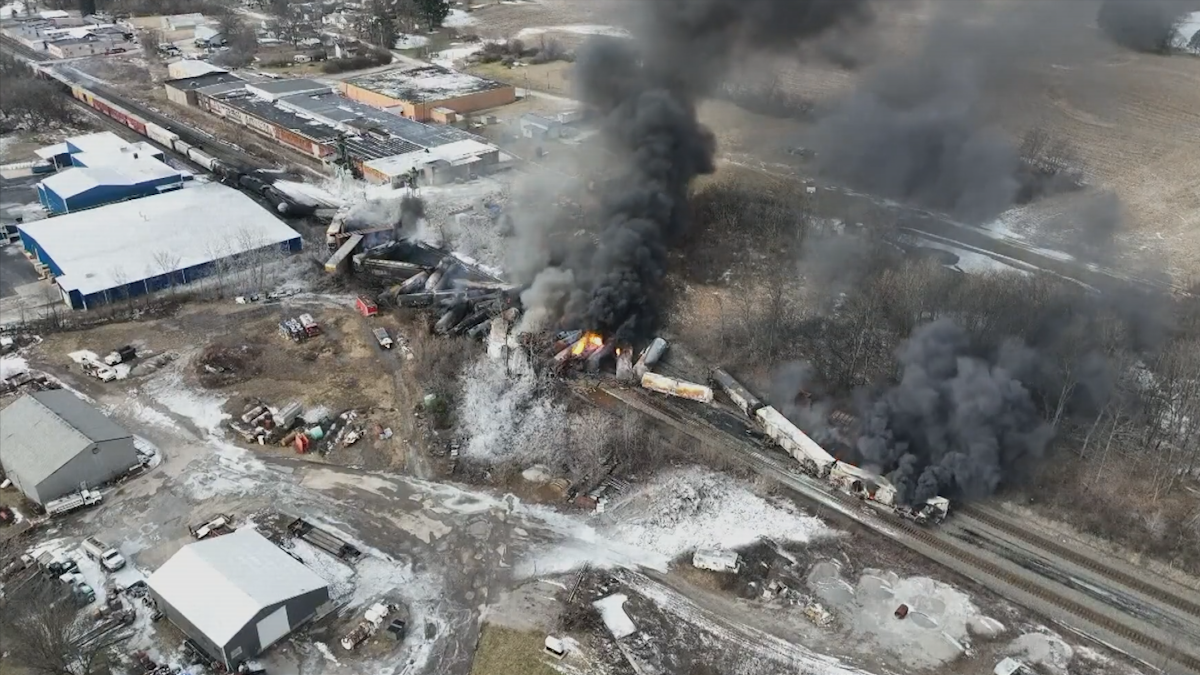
{"points": [[957, 424], [647, 89], [1141, 25], [921, 130]]}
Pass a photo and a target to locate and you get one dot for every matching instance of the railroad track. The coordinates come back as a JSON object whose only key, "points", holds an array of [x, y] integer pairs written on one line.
{"points": [[908, 533], [1066, 553]]}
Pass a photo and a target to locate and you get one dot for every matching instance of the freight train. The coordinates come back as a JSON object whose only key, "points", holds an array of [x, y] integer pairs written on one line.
{"points": [[231, 173], [818, 463]]}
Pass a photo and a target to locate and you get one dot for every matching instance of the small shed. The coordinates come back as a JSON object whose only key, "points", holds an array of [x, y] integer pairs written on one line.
{"points": [[538, 127], [715, 560]]}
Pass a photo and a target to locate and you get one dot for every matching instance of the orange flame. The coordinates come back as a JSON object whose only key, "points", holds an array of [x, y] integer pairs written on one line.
{"points": [[618, 351], [588, 340]]}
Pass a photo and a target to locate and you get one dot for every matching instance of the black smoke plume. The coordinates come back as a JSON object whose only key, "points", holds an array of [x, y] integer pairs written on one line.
{"points": [[1141, 25], [921, 129], [957, 424], [647, 89]]}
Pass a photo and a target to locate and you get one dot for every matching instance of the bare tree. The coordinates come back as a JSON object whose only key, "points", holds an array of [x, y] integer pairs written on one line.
{"points": [[151, 38], [42, 635], [167, 262]]}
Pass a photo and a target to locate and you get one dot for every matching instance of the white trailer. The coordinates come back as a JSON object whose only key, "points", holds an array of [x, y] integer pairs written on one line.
{"points": [[715, 560]]}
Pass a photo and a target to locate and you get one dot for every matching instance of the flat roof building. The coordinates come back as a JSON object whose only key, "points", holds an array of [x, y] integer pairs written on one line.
{"points": [[273, 90], [52, 443], [186, 90], [149, 244], [417, 90], [88, 187], [236, 595], [442, 164], [185, 68]]}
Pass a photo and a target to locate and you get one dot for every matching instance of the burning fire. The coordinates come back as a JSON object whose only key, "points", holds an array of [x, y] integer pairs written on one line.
{"points": [[592, 340]]}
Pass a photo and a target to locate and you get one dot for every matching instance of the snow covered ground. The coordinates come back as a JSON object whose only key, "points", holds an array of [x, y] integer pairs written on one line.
{"points": [[574, 29], [410, 42], [458, 19], [677, 512]]}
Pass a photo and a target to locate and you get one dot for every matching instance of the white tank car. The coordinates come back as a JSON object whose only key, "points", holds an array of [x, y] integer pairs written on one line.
{"points": [[741, 397], [863, 483], [809, 453]]}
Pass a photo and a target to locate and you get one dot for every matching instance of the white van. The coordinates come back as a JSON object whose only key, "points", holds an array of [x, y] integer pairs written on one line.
{"points": [[109, 557]]}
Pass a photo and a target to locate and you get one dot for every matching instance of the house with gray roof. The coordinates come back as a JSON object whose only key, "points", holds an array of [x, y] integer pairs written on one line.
{"points": [[52, 442]]}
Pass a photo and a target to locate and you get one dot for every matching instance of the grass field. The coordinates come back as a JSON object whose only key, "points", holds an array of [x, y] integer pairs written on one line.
{"points": [[505, 651], [548, 77]]}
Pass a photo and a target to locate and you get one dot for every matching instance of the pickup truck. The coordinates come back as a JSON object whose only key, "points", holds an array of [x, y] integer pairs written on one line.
{"points": [[382, 337]]}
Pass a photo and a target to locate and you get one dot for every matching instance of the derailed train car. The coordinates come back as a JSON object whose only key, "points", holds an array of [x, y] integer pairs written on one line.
{"points": [[815, 461], [812, 457]]}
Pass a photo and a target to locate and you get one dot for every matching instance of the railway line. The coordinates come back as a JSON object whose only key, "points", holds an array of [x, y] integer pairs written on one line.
{"points": [[1149, 589], [1140, 633]]}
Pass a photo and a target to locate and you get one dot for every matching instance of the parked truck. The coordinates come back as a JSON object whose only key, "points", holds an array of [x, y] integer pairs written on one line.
{"points": [[382, 337], [72, 502], [108, 557]]}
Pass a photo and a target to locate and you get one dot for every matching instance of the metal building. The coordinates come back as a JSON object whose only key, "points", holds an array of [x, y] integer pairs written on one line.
{"points": [[236, 595], [90, 186], [52, 442], [150, 244]]}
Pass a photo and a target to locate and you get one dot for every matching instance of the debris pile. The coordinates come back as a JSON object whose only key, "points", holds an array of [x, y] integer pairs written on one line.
{"points": [[219, 365], [260, 423]]}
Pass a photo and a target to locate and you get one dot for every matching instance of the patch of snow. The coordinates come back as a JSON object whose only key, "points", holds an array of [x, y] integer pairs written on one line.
{"points": [[237, 472], [410, 42], [84, 356], [458, 19], [149, 415], [338, 574], [1185, 32], [447, 57], [615, 618], [205, 410], [681, 510], [678, 511], [324, 649], [1045, 649], [11, 366], [574, 29], [148, 450], [973, 262]]}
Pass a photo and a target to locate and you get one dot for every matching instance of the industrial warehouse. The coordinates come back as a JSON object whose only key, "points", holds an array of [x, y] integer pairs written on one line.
{"points": [[236, 595], [144, 245], [428, 92], [309, 117], [51, 442]]}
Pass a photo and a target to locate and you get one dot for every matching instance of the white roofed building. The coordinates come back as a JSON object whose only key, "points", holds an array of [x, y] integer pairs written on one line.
{"points": [[237, 594], [442, 164], [144, 245]]}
